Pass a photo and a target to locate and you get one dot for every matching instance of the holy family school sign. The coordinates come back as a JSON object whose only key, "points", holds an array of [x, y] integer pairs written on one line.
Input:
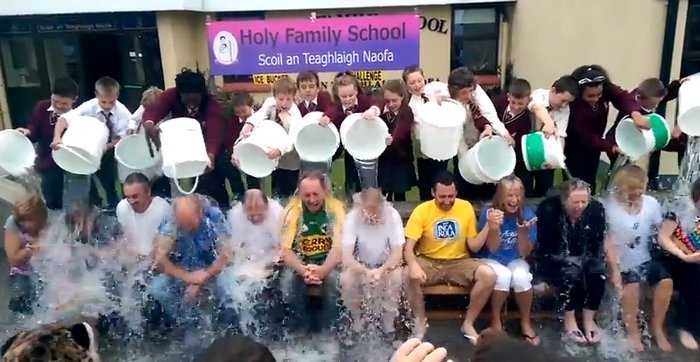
{"points": [[385, 42]]}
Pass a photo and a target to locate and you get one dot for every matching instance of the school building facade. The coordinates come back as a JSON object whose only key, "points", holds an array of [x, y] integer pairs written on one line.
{"points": [[142, 43]]}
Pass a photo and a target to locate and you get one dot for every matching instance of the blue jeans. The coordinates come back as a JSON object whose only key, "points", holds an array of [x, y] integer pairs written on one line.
{"points": [[169, 292], [295, 295]]}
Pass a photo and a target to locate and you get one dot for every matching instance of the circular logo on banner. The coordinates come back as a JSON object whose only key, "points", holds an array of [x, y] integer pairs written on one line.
{"points": [[225, 48]]}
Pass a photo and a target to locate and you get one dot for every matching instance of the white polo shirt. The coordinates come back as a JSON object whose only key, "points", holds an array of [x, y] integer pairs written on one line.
{"points": [[559, 116], [91, 108]]}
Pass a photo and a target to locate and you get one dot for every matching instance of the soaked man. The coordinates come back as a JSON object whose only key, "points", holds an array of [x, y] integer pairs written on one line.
{"points": [[250, 284], [312, 248], [190, 251]]}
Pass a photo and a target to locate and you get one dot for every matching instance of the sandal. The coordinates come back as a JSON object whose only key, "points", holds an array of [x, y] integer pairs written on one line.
{"points": [[593, 337], [533, 340], [472, 339], [576, 336]]}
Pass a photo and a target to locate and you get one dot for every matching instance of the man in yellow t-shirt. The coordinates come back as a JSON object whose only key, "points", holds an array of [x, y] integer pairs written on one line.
{"points": [[312, 248], [444, 229]]}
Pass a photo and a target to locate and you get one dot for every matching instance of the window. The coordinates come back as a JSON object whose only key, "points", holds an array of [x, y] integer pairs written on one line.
{"points": [[691, 47], [20, 61], [248, 15], [475, 39]]}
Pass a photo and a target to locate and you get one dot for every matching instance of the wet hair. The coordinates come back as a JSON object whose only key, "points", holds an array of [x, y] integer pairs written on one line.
{"points": [[574, 184], [629, 176], [411, 69], [314, 175], [444, 178], [65, 87], [566, 84], [652, 88], [150, 95], [396, 86], [240, 99], [519, 88], [459, 79], [499, 198], [284, 85], [344, 79], [695, 190], [190, 81], [255, 194], [137, 178], [498, 346], [236, 348], [591, 76], [77, 211], [107, 85], [308, 76], [32, 209]]}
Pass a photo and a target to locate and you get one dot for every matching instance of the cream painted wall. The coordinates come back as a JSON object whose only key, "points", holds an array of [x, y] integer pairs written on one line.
{"points": [[183, 42], [435, 47]]}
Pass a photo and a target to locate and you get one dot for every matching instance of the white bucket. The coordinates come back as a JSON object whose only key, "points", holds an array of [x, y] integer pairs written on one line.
{"points": [[16, 153], [312, 141], [490, 160], [363, 139], [540, 151], [440, 127], [689, 106], [183, 150], [131, 153], [82, 146], [251, 152], [637, 143]]}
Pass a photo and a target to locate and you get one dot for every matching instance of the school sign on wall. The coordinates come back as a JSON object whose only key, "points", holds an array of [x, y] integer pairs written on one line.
{"points": [[382, 42]]}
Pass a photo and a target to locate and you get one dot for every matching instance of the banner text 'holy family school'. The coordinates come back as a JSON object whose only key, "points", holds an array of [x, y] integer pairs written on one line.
{"points": [[379, 42]]}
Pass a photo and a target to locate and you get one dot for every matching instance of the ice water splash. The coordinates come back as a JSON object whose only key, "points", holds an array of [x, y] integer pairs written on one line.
{"points": [[75, 280], [318, 348], [679, 202]]}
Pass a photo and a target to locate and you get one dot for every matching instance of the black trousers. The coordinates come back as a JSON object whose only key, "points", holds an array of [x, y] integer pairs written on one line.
{"points": [[579, 287], [234, 176], [161, 187], [428, 169], [536, 183], [213, 185], [52, 187], [107, 175], [467, 191], [584, 165], [284, 182]]}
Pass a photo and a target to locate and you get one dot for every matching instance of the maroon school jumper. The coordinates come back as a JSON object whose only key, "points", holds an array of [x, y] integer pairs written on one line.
{"points": [[41, 126], [324, 104]]}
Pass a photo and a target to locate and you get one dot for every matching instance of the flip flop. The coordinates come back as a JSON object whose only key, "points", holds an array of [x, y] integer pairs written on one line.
{"points": [[593, 337], [533, 340], [576, 336], [472, 339]]}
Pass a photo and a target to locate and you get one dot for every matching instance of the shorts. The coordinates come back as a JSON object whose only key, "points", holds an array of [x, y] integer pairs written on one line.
{"points": [[652, 271], [461, 272]]}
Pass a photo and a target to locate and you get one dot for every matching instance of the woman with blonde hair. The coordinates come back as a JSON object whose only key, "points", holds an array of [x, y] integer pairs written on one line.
{"points": [[372, 244], [633, 223], [22, 233], [506, 250]]}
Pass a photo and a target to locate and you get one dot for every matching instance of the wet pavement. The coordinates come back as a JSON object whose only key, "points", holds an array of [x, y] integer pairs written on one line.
{"points": [[441, 332]]}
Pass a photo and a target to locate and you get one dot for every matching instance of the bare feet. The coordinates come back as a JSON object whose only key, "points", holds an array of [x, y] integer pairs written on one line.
{"points": [[687, 340], [592, 332], [530, 334], [662, 342], [636, 343], [421, 325]]}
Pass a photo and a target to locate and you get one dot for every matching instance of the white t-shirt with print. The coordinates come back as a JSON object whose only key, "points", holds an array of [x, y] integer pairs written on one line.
{"points": [[141, 229], [633, 234]]}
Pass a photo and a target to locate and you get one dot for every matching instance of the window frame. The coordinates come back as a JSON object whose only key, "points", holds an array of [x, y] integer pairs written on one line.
{"points": [[499, 10]]}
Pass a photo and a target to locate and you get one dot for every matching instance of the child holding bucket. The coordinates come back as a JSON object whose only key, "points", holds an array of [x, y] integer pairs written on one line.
{"points": [[242, 109], [589, 117], [551, 109], [312, 99], [633, 222], [106, 108], [281, 109], [395, 172], [427, 168], [349, 100]]}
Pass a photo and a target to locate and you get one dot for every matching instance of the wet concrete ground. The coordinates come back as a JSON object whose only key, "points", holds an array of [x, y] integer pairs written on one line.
{"points": [[441, 332]]}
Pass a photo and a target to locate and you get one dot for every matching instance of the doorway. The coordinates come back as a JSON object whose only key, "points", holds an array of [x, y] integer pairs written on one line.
{"points": [[101, 57]]}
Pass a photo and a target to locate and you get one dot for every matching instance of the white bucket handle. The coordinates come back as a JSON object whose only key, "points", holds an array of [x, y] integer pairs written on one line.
{"points": [[179, 188], [76, 154]]}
